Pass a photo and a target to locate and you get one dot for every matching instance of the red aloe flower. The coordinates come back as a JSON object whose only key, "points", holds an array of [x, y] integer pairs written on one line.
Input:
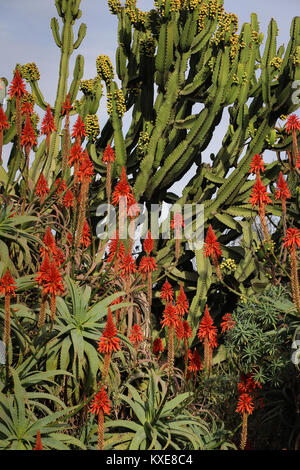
{"points": [[60, 185], [17, 87], [115, 248], [48, 126], [147, 265], [108, 155], [68, 199], [207, 328], [76, 155], [212, 246], [100, 402], [292, 239], [38, 444], [181, 304], [292, 124], [66, 106], [85, 238], [27, 108], [283, 191], [58, 257], [227, 323], [7, 284], [170, 317], [148, 243], [136, 336], [157, 347], [127, 265], [245, 404], [109, 341], [42, 188], [3, 126], [86, 169], [257, 164], [28, 137], [53, 286], [122, 190], [259, 195], [195, 363], [167, 293], [187, 330], [41, 275], [49, 241], [247, 384], [79, 129]]}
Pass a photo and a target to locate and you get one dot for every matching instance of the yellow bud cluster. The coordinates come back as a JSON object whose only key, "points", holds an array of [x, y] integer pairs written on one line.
{"points": [[114, 6], [245, 78], [92, 126], [296, 57], [30, 72], [35, 119], [143, 142], [192, 4], [148, 46], [234, 45], [86, 86], [276, 62], [228, 265], [227, 24], [120, 103], [28, 98], [235, 79], [257, 37], [243, 300], [105, 69]]}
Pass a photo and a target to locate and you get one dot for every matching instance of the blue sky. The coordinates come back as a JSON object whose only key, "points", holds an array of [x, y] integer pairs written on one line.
{"points": [[26, 36]]}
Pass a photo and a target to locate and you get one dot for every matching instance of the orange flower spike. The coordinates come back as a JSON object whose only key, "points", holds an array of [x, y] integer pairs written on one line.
{"points": [[7, 288], [66, 106], [53, 286], [108, 158], [128, 265], [108, 343], [291, 242], [227, 324], [122, 190], [148, 243], [79, 131], [157, 347], [170, 319], [17, 89], [85, 238], [28, 138], [282, 193], [85, 174], [245, 407], [42, 188], [76, 155], [48, 126], [212, 249], [100, 405], [3, 126], [181, 304], [292, 126], [26, 108], [259, 197], [257, 165], [68, 200], [195, 363], [41, 275], [207, 334], [177, 224], [136, 335], [49, 241], [38, 444], [167, 293]]}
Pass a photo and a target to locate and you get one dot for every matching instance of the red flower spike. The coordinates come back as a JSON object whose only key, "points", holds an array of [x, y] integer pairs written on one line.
{"points": [[100, 403], [109, 341], [86, 169], [227, 323], [283, 191], [68, 199], [195, 363], [7, 284], [108, 155], [42, 188], [292, 124], [292, 238], [187, 330], [44, 270], [17, 87], [148, 243], [66, 106], [177, 221], [170, 317], [48, 125], [212, 246], [115, 246], [26, 108], [28, 137], [157, 347], [245, 404], [122, 189], [147, 265], [85, 239], [76, 154], [257, 164], [38, 444], [181, 304], [207, 329], [49, 241], [60, 185], [136, 336], [127, 265], [58, 257], [53, 283], [79, 128], [247, 384], [259, 195], [167, 293], [3, 120]]}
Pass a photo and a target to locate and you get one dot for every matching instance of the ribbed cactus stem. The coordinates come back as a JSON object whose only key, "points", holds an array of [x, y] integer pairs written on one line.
{"points": [[42, 312], [106, 365], [100, 430], [244, 431], [7, 320], [171, 352], [295, 279]]}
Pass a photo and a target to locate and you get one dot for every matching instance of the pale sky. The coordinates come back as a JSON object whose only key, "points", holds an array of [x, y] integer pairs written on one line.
{"points": [[26, 36]]}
